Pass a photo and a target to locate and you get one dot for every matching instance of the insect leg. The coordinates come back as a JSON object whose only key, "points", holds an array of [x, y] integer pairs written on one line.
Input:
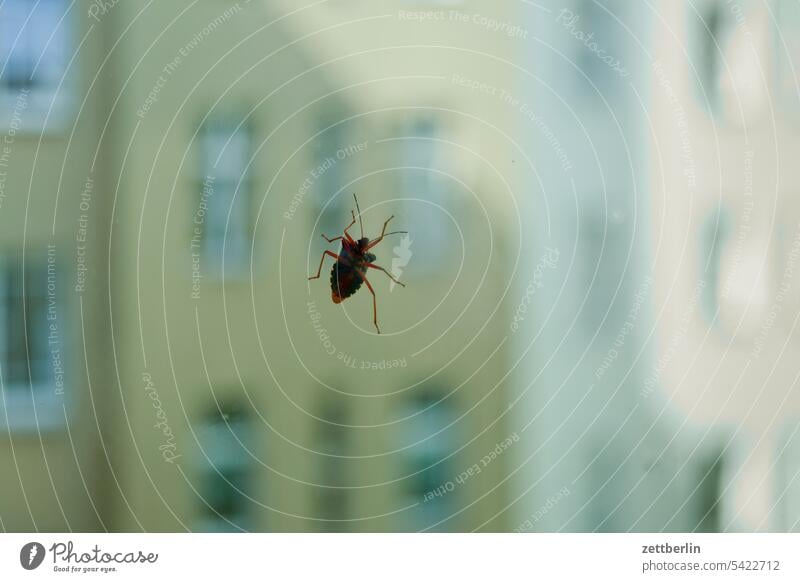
{"points": [[374, 304], [322, 260], [383, 232], [349, 226], [372, 266], [346, 234]]}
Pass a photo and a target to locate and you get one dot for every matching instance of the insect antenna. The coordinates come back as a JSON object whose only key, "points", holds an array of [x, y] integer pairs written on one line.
{"points": [[397, 232], [360, 223]]}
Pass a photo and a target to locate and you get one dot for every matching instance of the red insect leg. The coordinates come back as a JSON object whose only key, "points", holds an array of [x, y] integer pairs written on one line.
{"points": [[374, 304], [322, 260], [383, 232], [373, 266], [349, 226], [346, 234]]}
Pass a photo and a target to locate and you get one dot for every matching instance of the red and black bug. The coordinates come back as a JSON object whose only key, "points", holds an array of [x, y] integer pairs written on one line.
{"points": [[353, 261]]}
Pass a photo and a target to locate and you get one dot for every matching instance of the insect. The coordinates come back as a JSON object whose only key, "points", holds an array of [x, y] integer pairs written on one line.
{"points": [[354, 259]]}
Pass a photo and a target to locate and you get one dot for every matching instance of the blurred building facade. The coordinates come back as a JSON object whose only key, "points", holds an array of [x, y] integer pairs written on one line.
{"points": [[166, 365], [211, 387], [602, 458], [676, 403], [724, 188]]}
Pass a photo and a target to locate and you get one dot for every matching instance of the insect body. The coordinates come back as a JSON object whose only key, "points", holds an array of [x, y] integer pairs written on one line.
{"points": [[349, 271]]}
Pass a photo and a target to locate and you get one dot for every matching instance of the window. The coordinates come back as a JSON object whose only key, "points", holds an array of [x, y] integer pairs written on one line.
{"points": [[729, 52], [708, 491], [34, 52], [224, 467], [224, 212], [427, 468], [708, 32], [31, 358], [331, 497], [599, 40], [425, 189]]}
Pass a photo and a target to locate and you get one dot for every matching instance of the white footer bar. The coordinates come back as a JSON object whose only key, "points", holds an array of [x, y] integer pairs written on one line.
{"points": [[401, 557]]}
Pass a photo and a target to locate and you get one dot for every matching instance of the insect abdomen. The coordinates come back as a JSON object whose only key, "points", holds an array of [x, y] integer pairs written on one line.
{"points": [[345, 281]]}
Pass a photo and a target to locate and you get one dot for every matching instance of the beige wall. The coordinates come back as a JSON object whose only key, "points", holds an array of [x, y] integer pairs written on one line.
{"points": [[223, 358]]}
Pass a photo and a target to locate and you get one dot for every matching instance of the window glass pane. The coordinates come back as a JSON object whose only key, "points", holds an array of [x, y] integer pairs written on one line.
{"points": [[226, 146], [49, 39], [16, 54], [426, 189], [331, 499], [599, 41], [26, 326], [224, 468], [33, 44], [427, 464]]}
